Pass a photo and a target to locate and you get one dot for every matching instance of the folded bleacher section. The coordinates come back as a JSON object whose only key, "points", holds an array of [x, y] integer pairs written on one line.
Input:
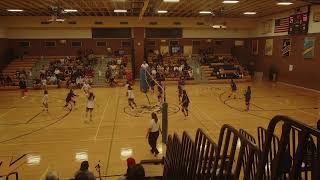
{"points": [[218, 68]]}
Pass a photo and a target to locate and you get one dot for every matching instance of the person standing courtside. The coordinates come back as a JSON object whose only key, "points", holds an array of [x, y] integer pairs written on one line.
{"points": [[90, 105], [23, 87], [247, 97], [233, 89], [153, 133], [45, 100], [185, 101]]}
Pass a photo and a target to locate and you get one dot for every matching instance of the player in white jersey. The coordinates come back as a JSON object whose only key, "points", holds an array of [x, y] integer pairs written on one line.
{"points": [[86, 88], [45, 100], [131, 97], [90, 105]]}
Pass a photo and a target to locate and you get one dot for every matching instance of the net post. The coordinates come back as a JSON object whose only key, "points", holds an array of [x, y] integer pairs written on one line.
{"points": [[164, 122]]}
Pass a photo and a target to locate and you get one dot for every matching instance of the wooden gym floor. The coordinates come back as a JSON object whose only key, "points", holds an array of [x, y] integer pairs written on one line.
{"points": [[61, 139]]}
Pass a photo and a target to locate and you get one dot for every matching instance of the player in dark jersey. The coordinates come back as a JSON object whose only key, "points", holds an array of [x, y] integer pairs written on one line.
{"points": [[180, 88], [247, 97], [23, 87], [233, 89], [185, 103], [70, 98]]}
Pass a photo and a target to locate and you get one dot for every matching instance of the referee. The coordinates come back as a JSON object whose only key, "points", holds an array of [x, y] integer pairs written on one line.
{"points": [[153, 133]]}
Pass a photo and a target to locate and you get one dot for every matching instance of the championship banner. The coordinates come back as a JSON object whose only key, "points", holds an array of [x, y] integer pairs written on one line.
{"points": [[309, 47], [286, 47], [269, 47]]}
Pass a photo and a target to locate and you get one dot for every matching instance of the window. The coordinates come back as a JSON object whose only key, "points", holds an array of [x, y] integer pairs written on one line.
{"points": [[101, 44], [174, 43], [49, 44], [24, 44], [125, 44], [196, 43], [151, 43], [111, 33], [76, 44]]}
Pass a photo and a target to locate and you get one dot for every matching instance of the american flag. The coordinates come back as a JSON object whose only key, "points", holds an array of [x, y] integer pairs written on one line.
{"points": [[281, 25]]}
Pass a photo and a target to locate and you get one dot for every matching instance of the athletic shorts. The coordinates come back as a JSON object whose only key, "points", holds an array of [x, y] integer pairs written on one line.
{"points": [[185, 105], [89, 109]]}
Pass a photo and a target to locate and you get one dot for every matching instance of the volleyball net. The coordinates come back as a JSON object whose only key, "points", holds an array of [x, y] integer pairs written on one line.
{"points": [[145, 84]]}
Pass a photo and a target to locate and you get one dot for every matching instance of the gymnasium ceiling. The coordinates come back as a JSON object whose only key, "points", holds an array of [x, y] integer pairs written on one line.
{"points": [[184, 8]]}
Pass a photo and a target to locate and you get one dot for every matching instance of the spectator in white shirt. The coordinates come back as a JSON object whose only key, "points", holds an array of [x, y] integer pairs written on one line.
{"points": [[57, 71], [144, 65]]}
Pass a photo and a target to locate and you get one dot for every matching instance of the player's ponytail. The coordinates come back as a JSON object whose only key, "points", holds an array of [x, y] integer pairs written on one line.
{"points": [[154, 117]]}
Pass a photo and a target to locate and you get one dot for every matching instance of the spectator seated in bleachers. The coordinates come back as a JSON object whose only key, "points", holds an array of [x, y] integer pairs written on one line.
{"points": [[37, 84], [224, 67], [5, 80], [71, 70], [2, 80], [134, 171], [170, 66], [116, 69]]}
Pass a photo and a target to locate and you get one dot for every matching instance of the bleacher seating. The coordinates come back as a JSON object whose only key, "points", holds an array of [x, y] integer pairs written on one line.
{"points": [[170, 65], [219, 68], [122, 72], [25, 64]]}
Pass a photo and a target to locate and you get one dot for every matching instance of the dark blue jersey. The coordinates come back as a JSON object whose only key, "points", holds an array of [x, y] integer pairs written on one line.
{"points": [[247, 96]]}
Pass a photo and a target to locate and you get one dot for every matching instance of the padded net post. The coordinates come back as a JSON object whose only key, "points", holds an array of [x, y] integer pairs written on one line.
{"points": [[165, 122]]}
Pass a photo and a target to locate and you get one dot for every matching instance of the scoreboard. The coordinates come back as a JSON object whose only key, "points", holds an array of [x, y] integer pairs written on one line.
{"points": [[298, 24]]}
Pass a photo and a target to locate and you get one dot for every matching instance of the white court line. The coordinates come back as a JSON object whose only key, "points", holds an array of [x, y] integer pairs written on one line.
{"points": [[201, 116], [209, 117], [298, 87], [311, 114], [102, 117], [6, 112], [70, 141], [44, 173]]}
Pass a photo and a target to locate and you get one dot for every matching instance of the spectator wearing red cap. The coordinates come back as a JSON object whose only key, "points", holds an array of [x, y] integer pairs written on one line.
{"points": [[134, 171]]}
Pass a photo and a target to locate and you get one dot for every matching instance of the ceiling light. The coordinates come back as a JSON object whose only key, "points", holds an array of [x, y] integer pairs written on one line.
{"points": [[14, 10], [284, 3], [60, 20], [230, 1], [70, 10], [205, 12], [250, 13], [120, 11], [218, 26], [172, 1], [162, 11]]}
